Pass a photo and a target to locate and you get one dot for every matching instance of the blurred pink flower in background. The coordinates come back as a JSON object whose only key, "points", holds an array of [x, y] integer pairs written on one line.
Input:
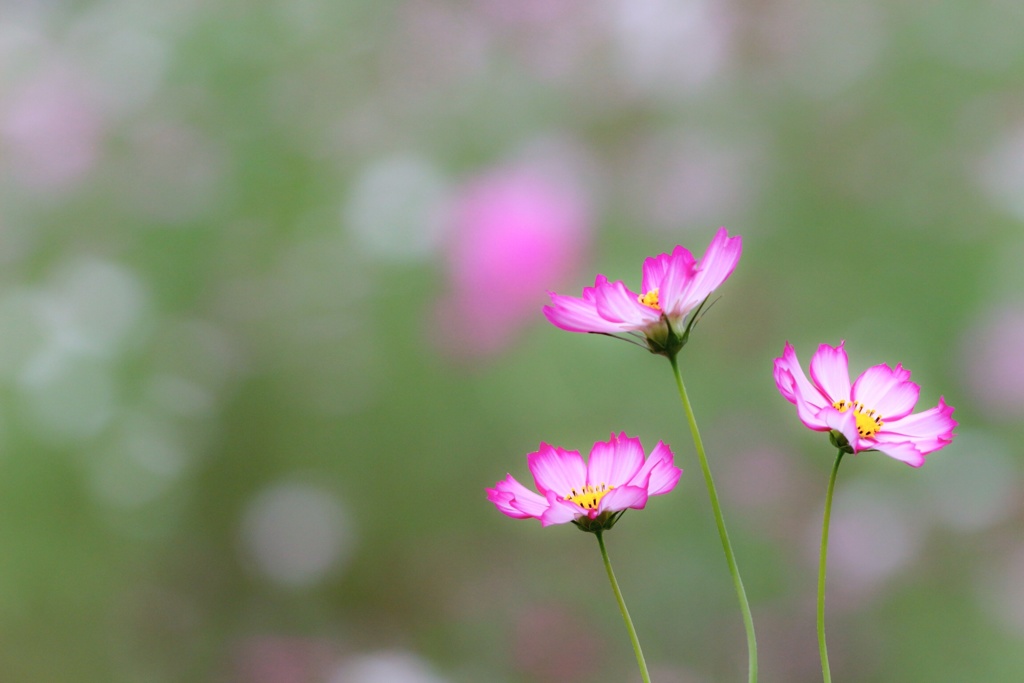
{"points": [[994, 362], [50, 130], [766, 485], [557, 41], [672, 179], [281, 659], [999, 589], [877, 535], [551, 641], [516, 233]]}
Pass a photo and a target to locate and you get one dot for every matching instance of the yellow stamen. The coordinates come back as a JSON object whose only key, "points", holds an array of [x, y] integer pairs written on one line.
{"points": [[868, 421], [589, 496], [650, 299]]}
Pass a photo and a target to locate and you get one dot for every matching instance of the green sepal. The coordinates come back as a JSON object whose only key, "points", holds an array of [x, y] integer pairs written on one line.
{"points": [[839, 441], [603, 522], [672, 342]]}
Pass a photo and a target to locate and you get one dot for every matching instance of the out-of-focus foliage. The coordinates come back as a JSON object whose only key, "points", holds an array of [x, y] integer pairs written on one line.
{"points": [[269, 325]]}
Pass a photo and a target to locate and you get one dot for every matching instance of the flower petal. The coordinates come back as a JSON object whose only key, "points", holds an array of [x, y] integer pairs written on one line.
{"points": [[656, 269], [845, 423], [714, 268], [929, 430], [795, 388], [560, 511], [830, 370], [515, 500], [615, 462], [617, 304], [659, 474], [679, 272], [556, 469], [791, 380], [575, 314], [624, 497], [889, 392], [904, 451], [664, 478]]}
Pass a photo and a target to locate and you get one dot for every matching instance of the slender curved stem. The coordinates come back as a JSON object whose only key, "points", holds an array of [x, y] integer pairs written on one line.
{"points": [[826, 672], [748, 621], [625, 612]]}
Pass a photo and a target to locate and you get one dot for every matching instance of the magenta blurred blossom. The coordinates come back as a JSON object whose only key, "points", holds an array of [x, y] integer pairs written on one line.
{"points": [[994, 367], [516, 233], [673, 286], [874, 414], [52, 130], [588, 494]]}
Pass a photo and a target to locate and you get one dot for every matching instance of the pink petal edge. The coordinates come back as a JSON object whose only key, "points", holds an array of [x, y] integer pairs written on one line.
{"points": [[515, 500], [616, 461], [623, 498], [556, 469], [714, 268], [886, 390], [830, 371]]}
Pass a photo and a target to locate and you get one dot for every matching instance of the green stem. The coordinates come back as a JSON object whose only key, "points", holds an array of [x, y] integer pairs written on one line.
{"points": [[748, 621], [826, 673], [625, 612]]}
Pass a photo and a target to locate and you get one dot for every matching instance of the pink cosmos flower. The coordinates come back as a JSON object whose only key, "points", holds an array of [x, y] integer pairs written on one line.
{"points": [[874, 414], [673, 286], [591, 495]]}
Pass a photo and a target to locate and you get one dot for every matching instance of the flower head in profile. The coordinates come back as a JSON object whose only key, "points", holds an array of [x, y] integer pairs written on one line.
{"points": [[872, 414], [673, 290], [591, 495]]}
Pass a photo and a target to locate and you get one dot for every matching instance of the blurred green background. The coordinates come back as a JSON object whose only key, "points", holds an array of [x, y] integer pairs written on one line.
{"points": [[269, 325]]}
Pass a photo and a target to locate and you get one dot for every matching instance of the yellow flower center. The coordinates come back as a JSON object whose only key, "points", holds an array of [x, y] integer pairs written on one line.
{"points": [[650, 299], [868, 421], [589, 496]]}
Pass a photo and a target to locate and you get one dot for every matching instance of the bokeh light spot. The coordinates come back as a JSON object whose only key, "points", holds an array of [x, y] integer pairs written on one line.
{"points": [[395, 209], [296, 533], [973, 483], [138, 465], [386, 667]]}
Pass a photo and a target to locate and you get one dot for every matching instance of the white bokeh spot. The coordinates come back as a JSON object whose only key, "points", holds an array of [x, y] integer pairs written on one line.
{"points": [[386, 667], [296, 533], [395, 209]]}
